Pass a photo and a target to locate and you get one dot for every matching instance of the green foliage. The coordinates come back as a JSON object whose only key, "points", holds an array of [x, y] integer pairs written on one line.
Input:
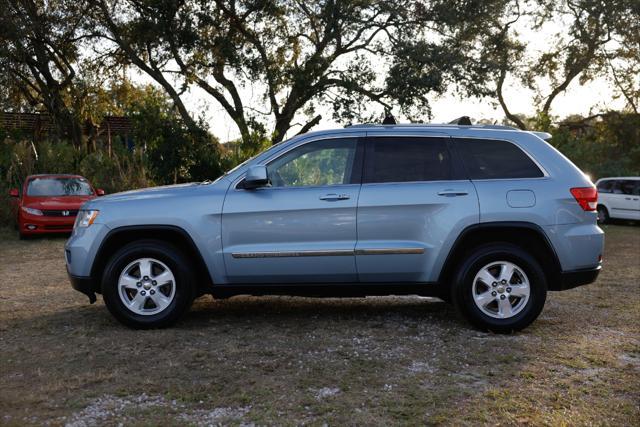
{"points": [[608, 147], [121, 171], [174, 153]]}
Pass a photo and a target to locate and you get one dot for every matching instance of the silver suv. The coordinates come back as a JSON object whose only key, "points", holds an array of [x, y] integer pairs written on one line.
{"points": [[487, 217]]}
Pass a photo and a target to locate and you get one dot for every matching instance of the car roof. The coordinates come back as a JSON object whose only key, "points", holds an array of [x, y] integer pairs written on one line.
{"points": [[54, 175], [629, 178], [447, 128]]}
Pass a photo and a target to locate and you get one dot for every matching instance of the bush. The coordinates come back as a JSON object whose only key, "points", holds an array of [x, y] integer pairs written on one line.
{"points": [[122, 171]]}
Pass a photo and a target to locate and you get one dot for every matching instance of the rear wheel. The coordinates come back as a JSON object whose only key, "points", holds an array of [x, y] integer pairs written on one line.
{"points": [[500, 287], [148, 284], [603, 215]]}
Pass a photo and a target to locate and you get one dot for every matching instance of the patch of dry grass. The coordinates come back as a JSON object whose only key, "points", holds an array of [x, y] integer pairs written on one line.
{"points": [[279, 360]]}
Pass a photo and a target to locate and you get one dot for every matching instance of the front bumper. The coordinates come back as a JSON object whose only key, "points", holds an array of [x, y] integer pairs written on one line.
{"points": [[82, 247], [36, 224], [575, 278], [86, 285]]}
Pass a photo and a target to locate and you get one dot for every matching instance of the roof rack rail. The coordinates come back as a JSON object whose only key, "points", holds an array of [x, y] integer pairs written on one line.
{"points": [[433, 125]]}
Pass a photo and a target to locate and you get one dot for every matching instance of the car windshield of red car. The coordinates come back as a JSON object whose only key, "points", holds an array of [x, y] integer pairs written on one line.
{"points": [[59, 187]]}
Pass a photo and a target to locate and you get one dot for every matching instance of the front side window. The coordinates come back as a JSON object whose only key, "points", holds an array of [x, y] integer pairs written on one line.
{"points": [[407, 159], [319, 163], [59, 187], [605, 186], [494, 159]]}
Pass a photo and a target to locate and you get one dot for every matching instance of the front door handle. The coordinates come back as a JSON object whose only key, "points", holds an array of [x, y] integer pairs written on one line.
{"points": [[333, 196], [452, 193]]}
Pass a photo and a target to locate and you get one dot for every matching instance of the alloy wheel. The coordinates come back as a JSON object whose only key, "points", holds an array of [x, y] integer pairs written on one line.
{"points": [[146, 286], [501, 289]]}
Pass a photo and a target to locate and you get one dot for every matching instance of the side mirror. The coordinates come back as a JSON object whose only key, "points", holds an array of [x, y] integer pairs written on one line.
{"points": [[14, 192], [100, 192], [256, 177]]}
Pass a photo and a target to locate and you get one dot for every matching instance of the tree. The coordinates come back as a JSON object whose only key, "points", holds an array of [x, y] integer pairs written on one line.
{"points": [[592, 36], [38, 52], [350, 56]]}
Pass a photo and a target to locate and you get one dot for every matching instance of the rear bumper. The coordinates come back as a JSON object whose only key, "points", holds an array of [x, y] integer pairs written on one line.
{"points": [[575, 278], [85, 285]]}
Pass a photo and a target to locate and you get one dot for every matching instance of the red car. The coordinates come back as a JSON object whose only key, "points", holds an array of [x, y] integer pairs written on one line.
{"points": [[50, 203]]}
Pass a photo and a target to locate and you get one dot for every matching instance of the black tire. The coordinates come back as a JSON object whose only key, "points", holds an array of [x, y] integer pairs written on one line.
{"points": [[462, 287], [603, 215], [173, 259]]}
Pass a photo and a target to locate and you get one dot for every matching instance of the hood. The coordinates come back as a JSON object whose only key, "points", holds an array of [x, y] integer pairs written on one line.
{"points": [[148, 194], [56, 202]]}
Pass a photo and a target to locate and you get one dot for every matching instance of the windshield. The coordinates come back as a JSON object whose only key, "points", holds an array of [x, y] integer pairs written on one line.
{"points": [[59, 187]]}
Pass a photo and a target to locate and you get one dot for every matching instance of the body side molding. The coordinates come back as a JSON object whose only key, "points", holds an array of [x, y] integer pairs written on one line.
{"points": [[335, 252]]}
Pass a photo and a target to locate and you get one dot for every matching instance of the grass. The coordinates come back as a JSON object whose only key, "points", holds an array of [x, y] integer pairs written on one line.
{"points": [[279, 360]]}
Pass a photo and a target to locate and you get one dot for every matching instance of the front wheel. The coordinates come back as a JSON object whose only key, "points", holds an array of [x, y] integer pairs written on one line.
{"points": [[148, 284], [500, 287]]}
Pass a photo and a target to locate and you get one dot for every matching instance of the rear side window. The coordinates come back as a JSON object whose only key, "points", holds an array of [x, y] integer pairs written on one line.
{"points": [[626, 186], [406, 159], [493, 159]]}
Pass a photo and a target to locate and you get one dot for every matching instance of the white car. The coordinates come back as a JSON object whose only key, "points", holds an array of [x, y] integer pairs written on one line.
{"points": [[618, 198]]}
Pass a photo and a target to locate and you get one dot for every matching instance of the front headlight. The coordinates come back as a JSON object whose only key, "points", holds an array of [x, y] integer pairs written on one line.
{"points": [[85, 218], [32, 211]]}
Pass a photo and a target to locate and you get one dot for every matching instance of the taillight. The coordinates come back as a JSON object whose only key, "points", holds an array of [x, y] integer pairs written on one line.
{"points": [[587, 197]]}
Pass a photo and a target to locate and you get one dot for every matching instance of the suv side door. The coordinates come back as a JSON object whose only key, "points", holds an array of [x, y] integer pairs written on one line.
{"points": [[414, 201], [301, 228]]}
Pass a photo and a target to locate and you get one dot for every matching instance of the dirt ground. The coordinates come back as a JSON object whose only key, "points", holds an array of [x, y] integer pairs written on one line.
{"points": [[285, 361]]}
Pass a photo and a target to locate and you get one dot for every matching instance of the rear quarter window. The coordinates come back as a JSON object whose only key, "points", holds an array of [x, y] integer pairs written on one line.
{"points": [[495, 159]]}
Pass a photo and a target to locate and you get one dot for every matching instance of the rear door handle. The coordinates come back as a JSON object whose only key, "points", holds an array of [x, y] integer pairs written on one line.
{"points": [[333, 196], [452, 193]]}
